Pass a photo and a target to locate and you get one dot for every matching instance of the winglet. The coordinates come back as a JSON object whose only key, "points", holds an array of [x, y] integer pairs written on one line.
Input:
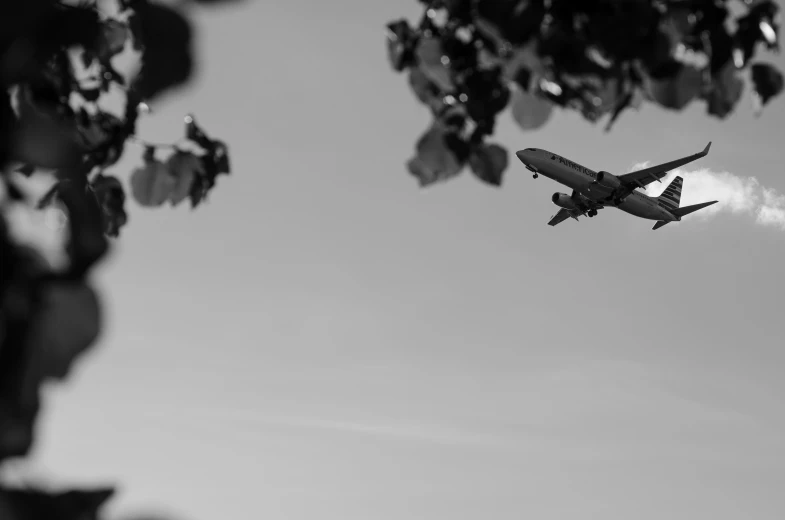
{"points": [[706, 150]]}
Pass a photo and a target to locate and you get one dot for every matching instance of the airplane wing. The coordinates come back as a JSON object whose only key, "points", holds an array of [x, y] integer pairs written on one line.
{"points": [[644, 177], [564, 214], [560, 217]]}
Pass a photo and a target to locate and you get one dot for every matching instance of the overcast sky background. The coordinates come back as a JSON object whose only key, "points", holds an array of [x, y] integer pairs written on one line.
{"points": [[325, 341]]}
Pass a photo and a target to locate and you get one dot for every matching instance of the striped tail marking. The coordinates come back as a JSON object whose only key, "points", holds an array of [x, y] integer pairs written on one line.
{"points": [[669, 199]]}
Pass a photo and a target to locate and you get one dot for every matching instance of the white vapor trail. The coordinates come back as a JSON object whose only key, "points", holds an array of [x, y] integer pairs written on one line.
{"points": [[736, 194]]}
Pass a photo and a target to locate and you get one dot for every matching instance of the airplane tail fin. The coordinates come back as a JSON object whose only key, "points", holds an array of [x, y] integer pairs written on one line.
{"points": [[686, 210], [669, 199]]}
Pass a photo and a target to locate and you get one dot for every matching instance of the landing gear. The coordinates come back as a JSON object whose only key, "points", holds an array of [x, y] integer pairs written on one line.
{"points": [[592, 212], [535, 176]]}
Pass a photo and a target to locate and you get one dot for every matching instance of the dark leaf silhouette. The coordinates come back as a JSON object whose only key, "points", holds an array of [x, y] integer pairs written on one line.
{"points": [[426, 90], [110, 195], [219, 156], [488, 163], [95, 131], [436, 158], [26, 170], [434, 63], [214, 162], [767, 80], [596, 58], [165, 37], [87, 243], [75, 504], [677, 92], [112, 39], [400, 44], [152, 184], [42, 138], [726, 90], [216, 152], [185, 167], [50, 316], [67, 322], [530, 111]]}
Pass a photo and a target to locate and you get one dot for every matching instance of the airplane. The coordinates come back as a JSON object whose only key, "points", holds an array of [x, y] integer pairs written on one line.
{"points": [[592, 191]]}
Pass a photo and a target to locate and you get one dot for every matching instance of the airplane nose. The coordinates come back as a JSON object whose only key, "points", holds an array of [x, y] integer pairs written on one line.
{"points": [[521, 154]]}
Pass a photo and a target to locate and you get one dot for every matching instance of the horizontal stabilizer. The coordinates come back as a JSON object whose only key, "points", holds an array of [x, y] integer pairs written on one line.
{"points": [[686, 210], [659, 224]]}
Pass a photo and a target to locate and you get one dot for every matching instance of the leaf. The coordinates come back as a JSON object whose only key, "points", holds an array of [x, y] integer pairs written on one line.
{"points": [[757, 26], [726, 90], [195, 133], [216, 158], [435, 161], [677, 92], [67, 324], [8, 122], [677, 24], [488, 162], [48, 325], [424, 89], [135, 28], [12, 190], [400, 41], [110, 195], [42, 139], [111, 39], [37, 504], [90, 94], [623, 103], [98, 129], [487, 95], [165, 36], [199, 190], [510, 20], [220, 155], [767, 81], [530, 111], [26, 170], [87, 243], [152, 184], [185, 167], [432, 60], [606, 96], [73, 25]]}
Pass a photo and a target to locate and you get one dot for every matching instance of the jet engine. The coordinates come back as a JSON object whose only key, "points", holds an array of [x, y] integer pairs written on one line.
{"points": [[564, 201], [608, 180]]}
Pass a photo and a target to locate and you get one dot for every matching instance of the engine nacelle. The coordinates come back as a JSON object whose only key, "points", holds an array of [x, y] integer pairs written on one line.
{"points": [[563, 201], [608, 180]]}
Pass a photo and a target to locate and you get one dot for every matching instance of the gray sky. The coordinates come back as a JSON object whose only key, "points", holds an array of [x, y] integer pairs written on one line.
{"points": [[323, 340]]}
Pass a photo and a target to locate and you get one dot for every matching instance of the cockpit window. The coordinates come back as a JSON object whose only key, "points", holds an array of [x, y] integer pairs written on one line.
{"points": [[531, 149]]}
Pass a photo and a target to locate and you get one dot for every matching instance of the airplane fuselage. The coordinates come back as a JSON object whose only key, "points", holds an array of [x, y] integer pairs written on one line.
{"points": [[584, 181]]}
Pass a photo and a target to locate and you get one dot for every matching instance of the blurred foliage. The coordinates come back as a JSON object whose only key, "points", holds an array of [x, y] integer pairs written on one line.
{"points": [[467, 60], [58, 74]]}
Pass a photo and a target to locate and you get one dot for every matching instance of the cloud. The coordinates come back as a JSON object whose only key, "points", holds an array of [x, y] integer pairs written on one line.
{"points": [[736, 195]]}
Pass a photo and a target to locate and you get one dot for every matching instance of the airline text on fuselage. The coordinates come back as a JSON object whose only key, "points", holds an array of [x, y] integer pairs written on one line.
{"points": [[576, 167]]}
